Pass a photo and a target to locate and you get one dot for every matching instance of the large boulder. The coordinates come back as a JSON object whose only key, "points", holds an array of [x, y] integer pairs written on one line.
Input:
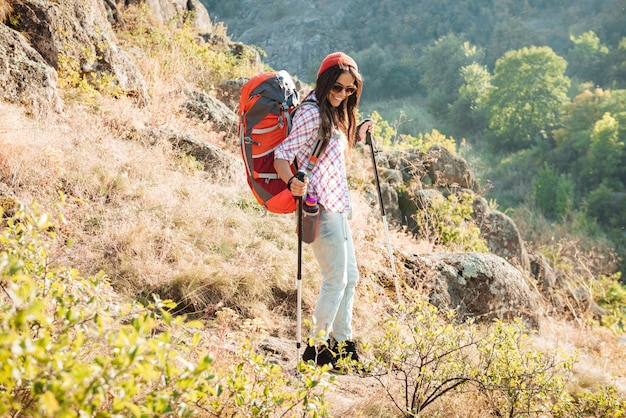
{"points": [[208, 108], [220, 165], [500, 233], [25, 77], [477, 285], [449, 170], [75, 35]]}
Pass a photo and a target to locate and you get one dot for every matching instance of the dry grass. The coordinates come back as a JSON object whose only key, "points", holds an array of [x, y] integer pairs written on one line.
{"points": [[600, 356], [143, 214], [5, 10]]}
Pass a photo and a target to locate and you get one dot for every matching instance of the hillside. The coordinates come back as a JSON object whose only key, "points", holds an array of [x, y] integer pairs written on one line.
{"points": [[146, 203], [404, 28]]}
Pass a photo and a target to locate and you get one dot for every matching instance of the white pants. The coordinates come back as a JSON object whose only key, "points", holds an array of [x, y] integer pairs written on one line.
{"points": [[334, 250]]}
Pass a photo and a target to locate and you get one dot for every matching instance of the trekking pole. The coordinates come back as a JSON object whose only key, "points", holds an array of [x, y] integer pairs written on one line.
{"points": [[300, 176], [369, 141]]}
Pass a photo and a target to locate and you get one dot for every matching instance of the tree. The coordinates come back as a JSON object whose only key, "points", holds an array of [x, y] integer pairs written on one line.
{"points": [[605, 151], [440, 68], [467, 112], [617, 70], [386, 76], [530, 88], [572, 138], [589, 58]]}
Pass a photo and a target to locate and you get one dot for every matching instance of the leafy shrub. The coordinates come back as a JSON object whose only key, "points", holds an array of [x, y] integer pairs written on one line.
{"points": [[176, 53], [68, 347], [419, 358], [610, 294], [425, 355], [448, 221], [553, 193], [604, 403], [517, 380]]}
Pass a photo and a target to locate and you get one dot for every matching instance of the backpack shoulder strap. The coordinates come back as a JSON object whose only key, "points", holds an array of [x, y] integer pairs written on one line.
{"points": [[319, 144]]}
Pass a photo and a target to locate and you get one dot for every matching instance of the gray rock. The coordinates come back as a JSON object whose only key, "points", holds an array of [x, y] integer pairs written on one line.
{"points": [[481, 286], [76, 34], [205, 107], [25, 77]]}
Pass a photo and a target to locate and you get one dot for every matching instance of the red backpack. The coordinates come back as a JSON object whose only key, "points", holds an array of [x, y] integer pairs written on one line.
{"points": [[267, 103]]}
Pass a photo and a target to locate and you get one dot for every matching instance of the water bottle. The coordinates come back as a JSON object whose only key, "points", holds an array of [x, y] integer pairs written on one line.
{"points": [[310, 219]]}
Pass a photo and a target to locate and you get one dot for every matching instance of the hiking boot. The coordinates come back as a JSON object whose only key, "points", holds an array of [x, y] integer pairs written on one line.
{"points": [[321, 355]]}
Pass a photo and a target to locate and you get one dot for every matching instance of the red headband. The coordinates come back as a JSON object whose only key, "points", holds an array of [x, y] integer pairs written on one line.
{"points": [[336, 58]]}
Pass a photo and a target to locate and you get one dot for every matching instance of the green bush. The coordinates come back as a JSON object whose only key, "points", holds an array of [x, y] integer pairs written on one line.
{"points": [[553, 193], [69, 348], [421, 358], [426, 355], [448, 222], [610, 294]]}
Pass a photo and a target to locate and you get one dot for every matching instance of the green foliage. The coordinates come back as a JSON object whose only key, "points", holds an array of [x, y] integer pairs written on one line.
{"points": [[572, 138], [604, 204], [69, 347], [467, 113], [385, 75], [388, 135], [440, 67], [617, 66], [425, 142], [517, 380], [425, 355], [180, 54], [604, 155], [605, 403], [448, 221], [80, 84], [610, 294], [553, 193], [530, 87], [588, 58], [383, 131], [421, 358]]}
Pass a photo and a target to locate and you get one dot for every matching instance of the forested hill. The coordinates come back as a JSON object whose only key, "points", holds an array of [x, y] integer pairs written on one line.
{"points": [[295, 34]]}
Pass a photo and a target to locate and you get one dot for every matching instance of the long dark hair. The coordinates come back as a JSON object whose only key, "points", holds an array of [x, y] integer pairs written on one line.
{"points": [[342, 117]]}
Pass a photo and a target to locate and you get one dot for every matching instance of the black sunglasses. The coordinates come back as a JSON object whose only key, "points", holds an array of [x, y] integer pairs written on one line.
{"points": [[338, 88]]}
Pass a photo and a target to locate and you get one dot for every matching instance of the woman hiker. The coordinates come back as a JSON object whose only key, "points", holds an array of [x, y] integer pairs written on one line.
{"points": [[337, 93]]}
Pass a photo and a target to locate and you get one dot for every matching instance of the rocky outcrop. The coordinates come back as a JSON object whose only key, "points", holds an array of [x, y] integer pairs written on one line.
{"points": [[414, 179], [25, 77], [500, 233], [75, 35], [477, 285], [163, 11], [220, 165], [292, 35], [205, 107]]}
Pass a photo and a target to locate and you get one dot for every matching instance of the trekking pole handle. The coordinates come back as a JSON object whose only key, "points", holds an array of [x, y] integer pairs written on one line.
{"points": [[368, 136], [300, 175]]}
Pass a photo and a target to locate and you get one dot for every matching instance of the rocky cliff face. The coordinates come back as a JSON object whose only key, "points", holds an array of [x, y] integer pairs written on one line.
{"points": [[295, 34]]}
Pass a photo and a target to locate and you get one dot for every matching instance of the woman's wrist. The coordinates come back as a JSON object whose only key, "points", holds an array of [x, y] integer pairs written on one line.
{"points": [[290, 181]]}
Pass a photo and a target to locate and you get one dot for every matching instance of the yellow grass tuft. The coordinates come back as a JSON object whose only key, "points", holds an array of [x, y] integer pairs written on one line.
{"points": [[5, 10]]}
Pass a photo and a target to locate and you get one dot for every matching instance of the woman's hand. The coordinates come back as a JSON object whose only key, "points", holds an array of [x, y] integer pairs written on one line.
{"points": [[297, 187], [364, 127], [283, 168]]}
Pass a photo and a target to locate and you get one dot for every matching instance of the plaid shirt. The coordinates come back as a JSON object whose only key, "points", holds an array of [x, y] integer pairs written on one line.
{"points": [[328, 181]]}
